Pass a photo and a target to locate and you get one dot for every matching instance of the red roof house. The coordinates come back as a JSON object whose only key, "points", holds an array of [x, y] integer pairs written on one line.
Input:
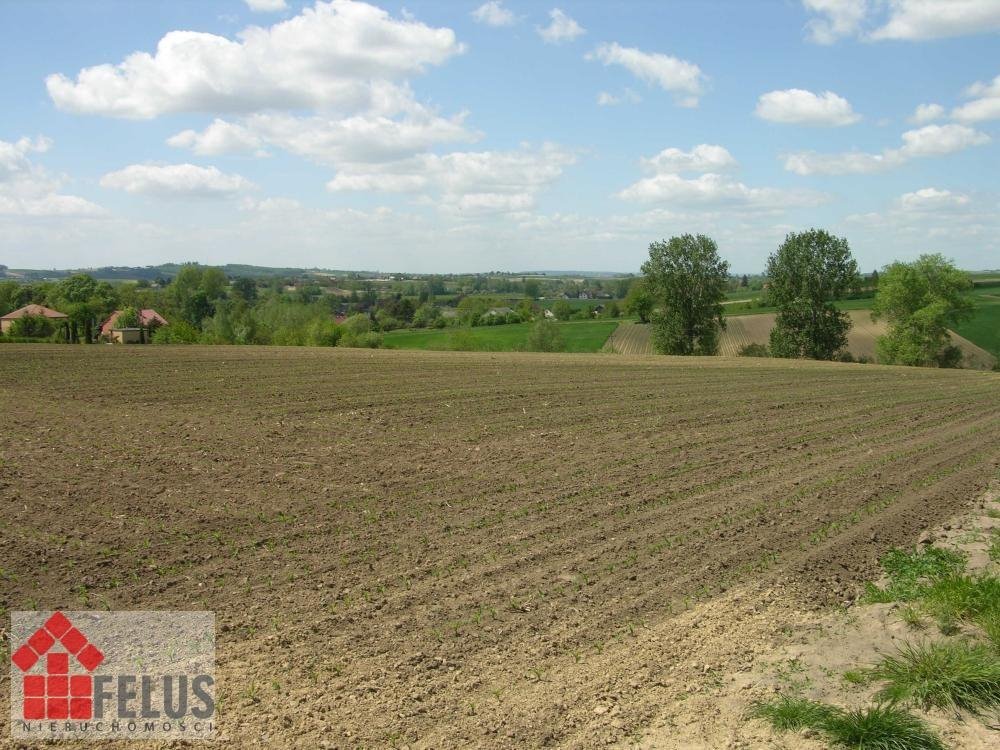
{"points": [[29, 310], [147, 317]]}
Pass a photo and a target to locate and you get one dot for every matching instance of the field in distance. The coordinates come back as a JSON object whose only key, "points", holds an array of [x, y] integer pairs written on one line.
{"points": [[634, 338], [463, 549], [579, 335]]}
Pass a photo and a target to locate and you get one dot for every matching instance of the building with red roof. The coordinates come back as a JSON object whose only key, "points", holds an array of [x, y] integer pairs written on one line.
{"points": [[29, 310]]}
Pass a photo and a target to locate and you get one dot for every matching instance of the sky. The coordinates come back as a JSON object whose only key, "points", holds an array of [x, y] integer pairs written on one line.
{"points": [[450, 136]]}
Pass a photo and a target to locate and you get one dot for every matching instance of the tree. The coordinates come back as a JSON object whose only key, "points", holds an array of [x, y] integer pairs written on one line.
{"points": [[532, 288], [687, 282], [128, 317], [805, 275], [920, 300], [744, 281], [246, 288], [214, 283], [638, 301], [562, 309], [545, 336]]}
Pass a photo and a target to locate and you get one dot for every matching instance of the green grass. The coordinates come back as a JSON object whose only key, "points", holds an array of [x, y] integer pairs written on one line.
{"points": [[984, 328], [882, 727], [791, 714], [580, 336], [912, 573], [973, 599], [947, 674]]}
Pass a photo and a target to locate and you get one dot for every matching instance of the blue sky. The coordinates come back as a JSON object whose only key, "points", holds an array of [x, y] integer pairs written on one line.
{"points": [[460, 136]]}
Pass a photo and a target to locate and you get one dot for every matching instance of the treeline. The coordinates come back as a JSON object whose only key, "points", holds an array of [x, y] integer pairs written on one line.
{"points": [[685, 283], [203, 305]]}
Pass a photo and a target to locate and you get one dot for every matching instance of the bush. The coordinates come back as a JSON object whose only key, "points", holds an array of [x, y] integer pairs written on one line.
{"points": [[323, 332], [179, 332], [755, 350], [545, 336], [357, 333], [32, 327]]}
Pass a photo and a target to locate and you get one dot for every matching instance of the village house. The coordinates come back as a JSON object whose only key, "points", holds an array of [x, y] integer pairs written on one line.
{"points": [[29, 311], [149, 320]]}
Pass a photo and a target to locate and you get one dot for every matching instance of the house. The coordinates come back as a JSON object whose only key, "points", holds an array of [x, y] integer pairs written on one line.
{"points": [[549, 314], [30, 311], [148, 319]]}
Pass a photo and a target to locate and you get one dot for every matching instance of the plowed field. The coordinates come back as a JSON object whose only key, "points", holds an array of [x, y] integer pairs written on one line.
{"points": [[631, 338], [461, 549]]}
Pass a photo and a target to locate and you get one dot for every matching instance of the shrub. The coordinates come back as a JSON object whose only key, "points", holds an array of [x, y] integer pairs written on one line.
{"points": [[178, 332], [755, 350], [32, 327], [545, 336]]}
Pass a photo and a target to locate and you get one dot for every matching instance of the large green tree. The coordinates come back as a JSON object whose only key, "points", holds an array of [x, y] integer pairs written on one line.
{"points": [[919, 301], [638, 301], [687, 281], [805, 275]]}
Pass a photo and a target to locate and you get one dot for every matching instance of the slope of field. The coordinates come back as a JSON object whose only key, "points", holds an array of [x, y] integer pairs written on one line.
{"points": [[462, 549], [629, 338], [984, 327], [756, 329], [579, 335]]}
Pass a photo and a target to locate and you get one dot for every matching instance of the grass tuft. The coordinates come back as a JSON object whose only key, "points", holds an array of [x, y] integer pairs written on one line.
{"points": [[946, 674], [910, 573], [785, 713], [880, 728], [974, 599], [883, 727]]}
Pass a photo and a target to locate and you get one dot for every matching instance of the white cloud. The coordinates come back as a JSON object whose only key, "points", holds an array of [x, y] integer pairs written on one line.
{"points": [[985, 105], [355, 140], [473, 181], [911, 20], [493, 13], [925, 113], [290, 65], [682, 78], [666, 185], [837, 18], [931, 140], [561, 28], [714, 190], [931, 199], [27, 189], [702, 158], [934, 19], [801, 107], [266, 6], [175, 180], [220, 137], [607, 99]]}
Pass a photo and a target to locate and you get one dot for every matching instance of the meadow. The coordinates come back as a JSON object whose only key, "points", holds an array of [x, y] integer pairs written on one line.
{"points": [[578, 335]]}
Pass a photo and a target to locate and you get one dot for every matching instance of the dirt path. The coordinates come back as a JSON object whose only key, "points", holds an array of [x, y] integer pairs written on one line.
{"points": [[464, 549]]}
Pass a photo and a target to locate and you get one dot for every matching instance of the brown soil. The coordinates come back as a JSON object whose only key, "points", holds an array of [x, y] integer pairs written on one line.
{"points": [[464, 549]]}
